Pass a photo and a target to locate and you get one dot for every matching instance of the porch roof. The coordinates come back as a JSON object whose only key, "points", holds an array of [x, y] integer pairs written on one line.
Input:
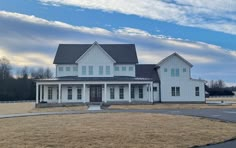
{"points": [[75, 78]]}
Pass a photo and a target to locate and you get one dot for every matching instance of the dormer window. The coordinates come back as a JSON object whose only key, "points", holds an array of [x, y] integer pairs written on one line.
{"points": [[83, 70], [100, 70], [108, 70], [67, 68], [90, 70], [123, 68], [131, 68], [117, 68], [60, 68]]}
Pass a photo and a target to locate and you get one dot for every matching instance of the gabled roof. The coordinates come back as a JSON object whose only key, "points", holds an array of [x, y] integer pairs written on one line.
{"points": [[147, 71], [90, 48], [175, 54], [121, 53]]}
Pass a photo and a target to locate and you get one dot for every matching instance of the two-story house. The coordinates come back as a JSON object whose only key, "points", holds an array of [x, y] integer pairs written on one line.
{"points": [[110, 73]]}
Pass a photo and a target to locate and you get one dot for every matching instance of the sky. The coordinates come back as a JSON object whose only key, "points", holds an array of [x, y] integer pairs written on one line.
{"points": [[201, 31]]}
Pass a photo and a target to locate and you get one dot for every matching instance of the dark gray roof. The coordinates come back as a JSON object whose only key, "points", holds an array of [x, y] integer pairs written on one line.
{"points": [[75, 78], [147, 71], [121, 53]]}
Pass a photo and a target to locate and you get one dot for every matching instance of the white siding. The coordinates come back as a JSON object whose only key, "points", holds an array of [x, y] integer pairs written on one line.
{"points": [[65, 72], [187, 86], [96, 57], [127, 72]]}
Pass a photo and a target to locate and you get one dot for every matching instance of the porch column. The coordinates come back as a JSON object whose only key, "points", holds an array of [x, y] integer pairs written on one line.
{"points": [[84, 93], [40, 93], [151, 85], [37, 93], [129, 92], [105, 92], [59, 93], [149, 96]]}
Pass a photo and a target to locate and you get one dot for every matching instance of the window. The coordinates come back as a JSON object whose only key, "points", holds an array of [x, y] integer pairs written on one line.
{"points": [[140, 92], [79, 93], [131, 68], [57, 93], [123, 68], [75, 68], [112, 93], [67, 68], [184, 70], [197, 93], [177, 72], [121, 92], [90, 70], [69, 93], [117, 68], [60, 68], [154, 88], [108, 71], [132, 93], [100, 70], [175, 91], [83, 70], [165, 70], [172, 72], [49, 93]]}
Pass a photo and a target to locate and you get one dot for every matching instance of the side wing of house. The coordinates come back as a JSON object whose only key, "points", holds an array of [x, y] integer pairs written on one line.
{"points": [[176, 82]]}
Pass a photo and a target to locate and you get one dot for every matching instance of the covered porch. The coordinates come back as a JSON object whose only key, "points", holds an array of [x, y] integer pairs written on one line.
{"points": [[62, 92]]}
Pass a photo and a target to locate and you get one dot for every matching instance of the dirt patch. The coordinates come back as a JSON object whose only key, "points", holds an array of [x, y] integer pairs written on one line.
{"points": [[112, 130]]}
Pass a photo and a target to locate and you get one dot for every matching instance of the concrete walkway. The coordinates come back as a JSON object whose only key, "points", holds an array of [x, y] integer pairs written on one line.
{"points": [[225, 115]]}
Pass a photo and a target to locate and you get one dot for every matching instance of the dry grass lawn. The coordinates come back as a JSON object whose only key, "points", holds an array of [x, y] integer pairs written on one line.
{"points": [[17, 108], [222, 99], [170, 106], [112, 130]]}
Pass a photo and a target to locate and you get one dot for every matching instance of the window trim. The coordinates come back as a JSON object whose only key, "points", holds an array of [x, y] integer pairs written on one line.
{"points": [[50, 93], [60, 68], [121, 92], [123, 68], [112, 93], [75, 68], [132, 92], [140, 92], [108, 70], [79, 94], [117, 68], [69, 96], [100, 70], [175, 91], [84, 70], [197, 91], [131, 68], [90, 70], [67, 68]]}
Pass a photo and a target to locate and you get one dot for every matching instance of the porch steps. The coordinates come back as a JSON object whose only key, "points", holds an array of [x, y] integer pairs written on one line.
{"points": [[94, 106]]}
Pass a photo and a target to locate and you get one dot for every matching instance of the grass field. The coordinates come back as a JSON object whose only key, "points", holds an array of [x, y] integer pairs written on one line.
{"points": [[16, 108], [112, 130]]}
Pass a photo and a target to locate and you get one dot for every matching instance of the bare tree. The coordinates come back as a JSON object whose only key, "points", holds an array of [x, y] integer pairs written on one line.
{"points": [[24, 73], [48, 73], [5, 68]]}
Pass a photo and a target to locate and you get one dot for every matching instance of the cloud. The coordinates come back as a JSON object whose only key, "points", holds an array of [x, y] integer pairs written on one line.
{"points": [[33, 42], [217, 15]]}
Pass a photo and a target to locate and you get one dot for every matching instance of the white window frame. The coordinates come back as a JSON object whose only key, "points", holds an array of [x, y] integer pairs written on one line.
{"points": [[108, 70], [84, 70], [121, 92], [197, 91], [140, 92], [69, 93], [100, 70], [112, 93], [79, 94], [90, 70], [49, 93]]}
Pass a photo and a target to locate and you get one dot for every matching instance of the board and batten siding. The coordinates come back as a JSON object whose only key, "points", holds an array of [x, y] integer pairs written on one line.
{"points": [[124, 70], [184, 81], [62, 70]]}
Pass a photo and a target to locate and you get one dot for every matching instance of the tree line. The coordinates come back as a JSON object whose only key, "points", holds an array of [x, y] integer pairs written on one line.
{"points": [[218, 88], [22, 85]]}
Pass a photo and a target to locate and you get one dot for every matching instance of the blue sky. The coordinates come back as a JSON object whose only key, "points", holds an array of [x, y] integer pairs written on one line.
{"points": [[203, 32]]}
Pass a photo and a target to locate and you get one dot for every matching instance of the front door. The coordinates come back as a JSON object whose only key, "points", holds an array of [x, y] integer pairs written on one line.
{"points": [[95, 93]]}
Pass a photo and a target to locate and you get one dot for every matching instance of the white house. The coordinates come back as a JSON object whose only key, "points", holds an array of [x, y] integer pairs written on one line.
{"points": [[110, 73]]}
